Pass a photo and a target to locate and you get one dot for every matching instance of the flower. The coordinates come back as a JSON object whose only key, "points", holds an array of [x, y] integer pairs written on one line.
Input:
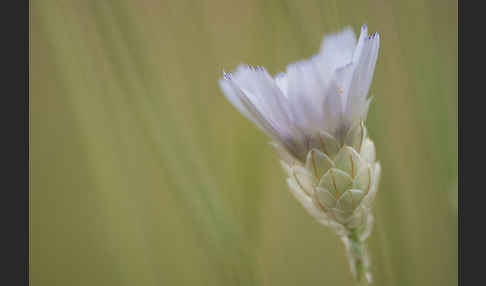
{"points": [[315, 114], [327, 92]]}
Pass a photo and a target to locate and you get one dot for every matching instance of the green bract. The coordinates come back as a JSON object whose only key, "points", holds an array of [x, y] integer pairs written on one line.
{"points": [[337, 182]]}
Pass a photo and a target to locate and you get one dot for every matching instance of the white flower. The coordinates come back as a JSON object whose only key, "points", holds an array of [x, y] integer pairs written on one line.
{"points": [[315, 114], [326, 94]]}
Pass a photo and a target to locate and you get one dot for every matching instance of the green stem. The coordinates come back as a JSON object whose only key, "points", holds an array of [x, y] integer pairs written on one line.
{"points": [[357, 257]]}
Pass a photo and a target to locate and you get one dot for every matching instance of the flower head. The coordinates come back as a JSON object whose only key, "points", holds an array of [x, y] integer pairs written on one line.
{"points": [[326, 94], [315, 114]]}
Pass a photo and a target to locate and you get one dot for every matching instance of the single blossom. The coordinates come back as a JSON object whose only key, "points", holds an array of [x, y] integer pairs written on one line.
{"points": [[315, 114], [326, 93]]}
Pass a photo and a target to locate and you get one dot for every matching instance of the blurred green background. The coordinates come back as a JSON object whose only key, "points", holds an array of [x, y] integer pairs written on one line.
{"points": [[142, 173]]}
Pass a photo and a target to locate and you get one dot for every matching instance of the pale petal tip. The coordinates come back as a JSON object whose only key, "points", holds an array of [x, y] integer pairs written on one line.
{"points": [[364, 30], [373, 36]]}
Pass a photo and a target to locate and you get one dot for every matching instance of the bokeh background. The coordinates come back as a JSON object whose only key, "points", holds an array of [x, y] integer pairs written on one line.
{"points": [[141, 172]]}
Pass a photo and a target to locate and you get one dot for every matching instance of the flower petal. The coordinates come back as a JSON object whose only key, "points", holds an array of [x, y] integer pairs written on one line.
{"points": [[256, 95], [305, 92], [336, 51], [364, 60]]}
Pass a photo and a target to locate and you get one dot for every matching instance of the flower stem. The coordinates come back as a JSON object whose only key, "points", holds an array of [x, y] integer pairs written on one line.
{"points": [[358, 260]]}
